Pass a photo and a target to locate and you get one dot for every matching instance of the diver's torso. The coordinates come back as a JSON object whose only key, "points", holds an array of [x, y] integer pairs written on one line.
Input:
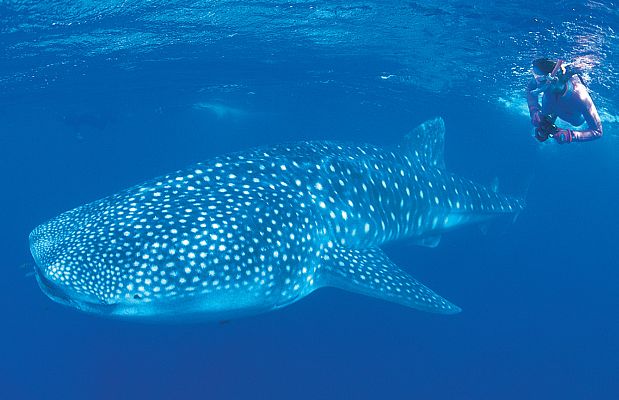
{"points": [[566, 106]]}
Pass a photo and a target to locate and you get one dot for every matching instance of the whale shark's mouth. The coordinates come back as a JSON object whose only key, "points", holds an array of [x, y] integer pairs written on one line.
{"points": [[91, 304], [72, 298], [178, 310]]}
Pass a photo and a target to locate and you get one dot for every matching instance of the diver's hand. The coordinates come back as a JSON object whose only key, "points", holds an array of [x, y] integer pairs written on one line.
{"points": [[564, 136]]}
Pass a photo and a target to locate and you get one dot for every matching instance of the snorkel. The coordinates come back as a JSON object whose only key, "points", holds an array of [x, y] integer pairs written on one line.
{"points": [[558, 65], [554, 78]]}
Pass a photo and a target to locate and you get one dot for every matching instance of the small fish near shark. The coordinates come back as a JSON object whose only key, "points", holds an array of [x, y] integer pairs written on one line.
{"points": [[257, 230]]}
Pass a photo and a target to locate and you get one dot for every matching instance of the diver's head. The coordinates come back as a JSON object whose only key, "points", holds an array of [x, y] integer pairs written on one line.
{"points": [[549, 74], [543, 66]]}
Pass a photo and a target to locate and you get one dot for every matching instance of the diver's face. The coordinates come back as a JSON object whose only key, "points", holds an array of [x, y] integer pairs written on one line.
{"points": [[542, 79], [545, 82]]}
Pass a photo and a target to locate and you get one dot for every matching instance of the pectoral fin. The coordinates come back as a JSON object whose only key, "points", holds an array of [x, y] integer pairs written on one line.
{"points": [[371, 272]]}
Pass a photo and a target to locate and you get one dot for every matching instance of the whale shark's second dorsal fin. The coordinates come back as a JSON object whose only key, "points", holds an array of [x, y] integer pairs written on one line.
{"points": [[427, 143]]}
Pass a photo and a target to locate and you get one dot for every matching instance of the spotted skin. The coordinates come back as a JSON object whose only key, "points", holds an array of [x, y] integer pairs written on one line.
{"points": [[254, 231]]}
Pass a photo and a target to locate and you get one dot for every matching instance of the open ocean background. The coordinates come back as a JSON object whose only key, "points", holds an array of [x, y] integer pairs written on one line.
{"points": [[98, 96]]}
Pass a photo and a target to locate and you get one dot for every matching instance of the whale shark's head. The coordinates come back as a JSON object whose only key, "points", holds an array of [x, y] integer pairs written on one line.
{"points": [[71, 271], [173, 249], [82, 263], [104, 258]]}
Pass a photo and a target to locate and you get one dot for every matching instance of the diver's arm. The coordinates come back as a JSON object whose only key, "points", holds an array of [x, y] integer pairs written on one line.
{"points": [[594, 124], [533, 102]]}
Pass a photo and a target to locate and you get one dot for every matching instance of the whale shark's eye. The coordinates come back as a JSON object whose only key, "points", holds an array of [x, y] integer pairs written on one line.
{"points": [[137, 297]]}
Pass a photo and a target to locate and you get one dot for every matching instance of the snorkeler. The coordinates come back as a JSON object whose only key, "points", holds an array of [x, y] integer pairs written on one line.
{"points": [[565, 97]]}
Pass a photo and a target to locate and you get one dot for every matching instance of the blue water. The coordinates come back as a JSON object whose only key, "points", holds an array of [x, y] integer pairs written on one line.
{"points": [[96, 97]]}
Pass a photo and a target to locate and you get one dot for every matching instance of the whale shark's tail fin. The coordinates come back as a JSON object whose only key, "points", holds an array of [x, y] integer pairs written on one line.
{"points": [[371, 272], [426, 143]]}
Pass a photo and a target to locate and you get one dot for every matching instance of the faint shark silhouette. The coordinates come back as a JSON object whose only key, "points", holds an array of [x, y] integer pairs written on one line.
{"points": [[222, 111]]}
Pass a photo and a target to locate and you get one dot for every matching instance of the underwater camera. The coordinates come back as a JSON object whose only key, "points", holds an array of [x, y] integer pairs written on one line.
{"points": [[546, 128]]}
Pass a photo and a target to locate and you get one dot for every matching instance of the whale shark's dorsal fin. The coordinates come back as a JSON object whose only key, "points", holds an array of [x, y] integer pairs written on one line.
{"points": [[426, 143], [371, 272]]}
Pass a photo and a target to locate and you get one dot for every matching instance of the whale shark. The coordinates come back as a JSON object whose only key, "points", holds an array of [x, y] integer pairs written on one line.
{"points": [[221, 110], [257, 230]]}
